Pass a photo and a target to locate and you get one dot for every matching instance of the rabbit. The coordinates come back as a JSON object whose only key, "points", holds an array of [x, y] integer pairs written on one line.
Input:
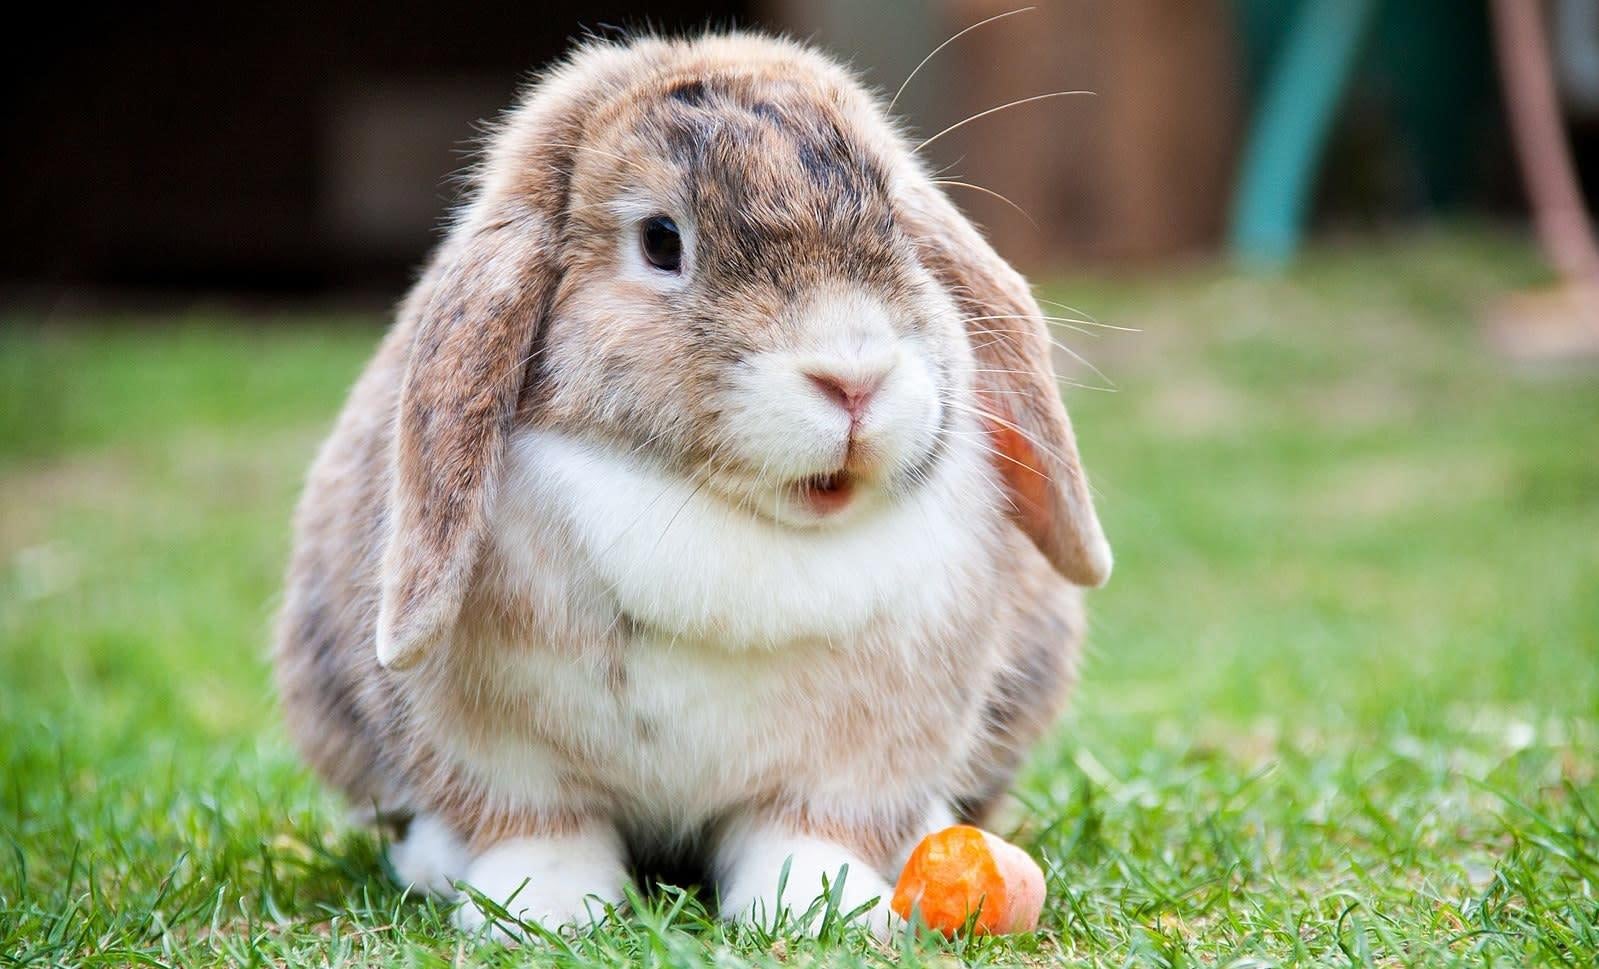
{"points": [[711, 498]]}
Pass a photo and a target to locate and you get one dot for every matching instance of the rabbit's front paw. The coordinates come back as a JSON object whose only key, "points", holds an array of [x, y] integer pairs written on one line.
{"points": [[549, 881], [429, 858], [755, 889]]}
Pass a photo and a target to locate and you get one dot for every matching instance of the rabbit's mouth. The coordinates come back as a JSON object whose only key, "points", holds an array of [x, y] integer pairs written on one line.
{"points": [[825, 494]]}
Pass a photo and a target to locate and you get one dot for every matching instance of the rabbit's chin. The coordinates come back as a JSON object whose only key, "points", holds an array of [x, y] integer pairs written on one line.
{"points": [[686, 561]]}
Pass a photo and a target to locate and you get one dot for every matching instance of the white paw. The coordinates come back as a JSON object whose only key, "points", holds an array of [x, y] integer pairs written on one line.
{"points": [[753, 868], [553, 882], [429, 858]]}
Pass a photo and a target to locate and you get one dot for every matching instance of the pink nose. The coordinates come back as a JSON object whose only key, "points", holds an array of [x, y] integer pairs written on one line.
{"points": [[853, 393]]}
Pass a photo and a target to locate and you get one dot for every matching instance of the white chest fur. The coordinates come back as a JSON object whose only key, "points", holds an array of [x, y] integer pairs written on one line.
{"points": [[689, 654], [688, 563]]}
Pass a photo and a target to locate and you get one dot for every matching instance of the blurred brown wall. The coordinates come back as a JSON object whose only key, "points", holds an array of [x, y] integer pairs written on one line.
{"points": [[273, 147], [1139, 169], [309, 147]]}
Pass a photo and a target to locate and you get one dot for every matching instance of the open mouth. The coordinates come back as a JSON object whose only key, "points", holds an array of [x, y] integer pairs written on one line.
{"points": [[825, 494]]}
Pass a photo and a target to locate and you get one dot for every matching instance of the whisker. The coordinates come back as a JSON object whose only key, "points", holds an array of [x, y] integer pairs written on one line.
{"points": [[1063, 348], [1018, 429], [1004, 493], [999, 340], [1087, 317], [1002, 107], [1088, 333], [513, 368], [1087, 363], [1035, 442], [996, 452], [986, 191], [1007, 393], [1063, 306], [1058, 379], [638, 518], [1053, 319], [906, 83], [673, 520]]}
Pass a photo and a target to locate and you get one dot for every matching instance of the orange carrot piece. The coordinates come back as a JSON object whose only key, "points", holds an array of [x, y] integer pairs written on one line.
{"points": [[961, 870]]}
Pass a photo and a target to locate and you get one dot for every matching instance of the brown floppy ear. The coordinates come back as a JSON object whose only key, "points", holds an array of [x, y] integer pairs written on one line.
{"points": [[474, 321], [476, 315], [1036, 453]]}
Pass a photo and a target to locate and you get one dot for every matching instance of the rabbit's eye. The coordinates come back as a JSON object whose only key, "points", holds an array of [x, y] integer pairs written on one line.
{"points": [[663, 246]]}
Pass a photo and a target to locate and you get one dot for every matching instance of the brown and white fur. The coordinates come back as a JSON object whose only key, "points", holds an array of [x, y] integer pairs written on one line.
{"points": [[562, 596]]}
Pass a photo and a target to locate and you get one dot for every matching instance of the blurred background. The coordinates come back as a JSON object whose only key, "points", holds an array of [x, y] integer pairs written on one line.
{"points": [[308, 149], [1323, 276]]}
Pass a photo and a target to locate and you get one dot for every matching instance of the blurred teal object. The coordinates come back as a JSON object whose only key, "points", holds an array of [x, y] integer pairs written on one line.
{"points": [[1298, 103], [1430, 60]]}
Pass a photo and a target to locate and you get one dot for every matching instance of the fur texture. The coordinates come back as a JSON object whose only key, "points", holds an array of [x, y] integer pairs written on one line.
{"points": [[601, 564]]}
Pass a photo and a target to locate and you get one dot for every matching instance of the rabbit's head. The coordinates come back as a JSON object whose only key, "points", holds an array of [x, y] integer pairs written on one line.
{"points": [[720, 257]]}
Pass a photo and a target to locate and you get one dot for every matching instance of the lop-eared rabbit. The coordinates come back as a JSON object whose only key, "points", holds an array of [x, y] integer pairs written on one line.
{"points": [[710, 497]]}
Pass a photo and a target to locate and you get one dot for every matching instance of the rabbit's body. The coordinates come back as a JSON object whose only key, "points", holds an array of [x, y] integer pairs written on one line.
{"points": [[623, 602]]}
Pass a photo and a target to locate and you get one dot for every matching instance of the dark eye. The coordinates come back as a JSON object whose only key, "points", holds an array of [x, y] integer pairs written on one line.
{"points": [[663, 246]]}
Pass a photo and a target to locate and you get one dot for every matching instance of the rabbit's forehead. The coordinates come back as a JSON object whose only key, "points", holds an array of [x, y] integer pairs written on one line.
{"points": [[766, 158]]}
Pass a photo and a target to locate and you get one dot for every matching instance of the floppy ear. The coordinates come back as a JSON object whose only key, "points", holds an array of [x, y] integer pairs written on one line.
{"points": [[1035, 451], [474, 321], [477, 314]]}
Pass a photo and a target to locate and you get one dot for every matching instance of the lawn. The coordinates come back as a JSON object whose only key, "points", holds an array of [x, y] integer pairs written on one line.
{"points": [[1341, 707]]}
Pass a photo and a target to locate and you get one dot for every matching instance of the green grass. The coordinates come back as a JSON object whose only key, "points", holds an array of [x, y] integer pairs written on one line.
{"points": [[1342, 703]]}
